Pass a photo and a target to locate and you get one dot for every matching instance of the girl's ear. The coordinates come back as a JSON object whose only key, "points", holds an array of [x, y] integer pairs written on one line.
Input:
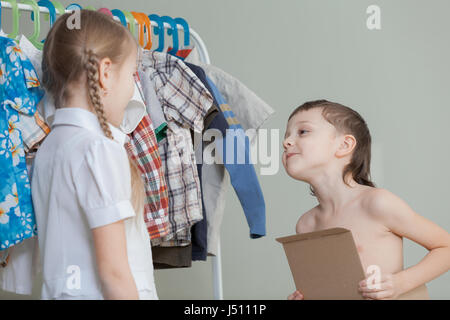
{"points": [[346, 146], [105, 75]]}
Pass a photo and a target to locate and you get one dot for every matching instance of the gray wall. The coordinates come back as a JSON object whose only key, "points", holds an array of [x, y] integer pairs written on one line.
{"points": [[296, 50]]}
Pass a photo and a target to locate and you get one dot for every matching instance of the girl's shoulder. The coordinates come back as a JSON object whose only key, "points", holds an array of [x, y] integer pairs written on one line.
{"points": [[83, 146]]}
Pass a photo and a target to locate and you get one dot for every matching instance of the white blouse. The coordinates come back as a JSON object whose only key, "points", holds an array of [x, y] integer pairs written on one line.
{"points": [[81, 180]]}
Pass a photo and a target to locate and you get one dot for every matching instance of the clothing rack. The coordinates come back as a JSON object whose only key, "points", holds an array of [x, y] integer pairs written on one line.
{"points": [[204, 58]]}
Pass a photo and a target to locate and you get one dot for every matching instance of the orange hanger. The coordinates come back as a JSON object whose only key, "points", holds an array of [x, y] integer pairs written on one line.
{"points": [[143, 20]]}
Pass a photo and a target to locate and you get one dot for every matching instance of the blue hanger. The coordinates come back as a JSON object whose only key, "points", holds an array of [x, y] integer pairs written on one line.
{"points": [[159, 30], [51, 9], [173, 32], [74, 6], [119, 14], [185, 25]]}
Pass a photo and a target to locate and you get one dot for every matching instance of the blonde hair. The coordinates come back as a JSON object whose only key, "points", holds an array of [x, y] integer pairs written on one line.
{"points": [[73, 54]]}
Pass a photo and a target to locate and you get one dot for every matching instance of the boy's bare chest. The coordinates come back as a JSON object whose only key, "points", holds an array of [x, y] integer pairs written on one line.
{"points": [[374, 243]]}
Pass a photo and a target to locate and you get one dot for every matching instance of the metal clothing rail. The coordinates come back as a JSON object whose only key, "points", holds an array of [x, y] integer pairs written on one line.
{"points": [[204, 58]]}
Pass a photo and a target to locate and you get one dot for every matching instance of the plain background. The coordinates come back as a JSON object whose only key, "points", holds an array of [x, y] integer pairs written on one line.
{"points": [[292, 51]]}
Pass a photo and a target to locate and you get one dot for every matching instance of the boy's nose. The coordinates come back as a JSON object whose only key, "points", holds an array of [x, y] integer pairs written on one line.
{"points": [[287, 143]]}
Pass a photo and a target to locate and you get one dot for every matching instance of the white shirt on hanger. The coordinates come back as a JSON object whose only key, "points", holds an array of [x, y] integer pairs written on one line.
{"points": [[81, 180]]}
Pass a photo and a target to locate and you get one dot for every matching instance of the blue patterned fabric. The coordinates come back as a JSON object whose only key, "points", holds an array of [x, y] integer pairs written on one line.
{"points": [[19, 92]]}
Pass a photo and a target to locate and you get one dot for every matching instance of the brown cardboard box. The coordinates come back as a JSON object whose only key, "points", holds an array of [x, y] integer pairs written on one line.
{"points": [[325, 265]]}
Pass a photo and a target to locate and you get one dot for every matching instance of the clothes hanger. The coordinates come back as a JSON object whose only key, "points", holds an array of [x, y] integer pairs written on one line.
{"points": [[148, 26], [143, 21], [34, 39], [52, 13], [185, 25], [15, 13], [138, 18], [59, 8], [51, 9], [159, 30], [106, 11], [130, 19], [174, 32], [74, 6], [119, 14]]}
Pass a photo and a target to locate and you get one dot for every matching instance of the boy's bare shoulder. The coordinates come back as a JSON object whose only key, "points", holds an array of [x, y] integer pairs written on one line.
{"points": [[307, 222], [380, 203]]}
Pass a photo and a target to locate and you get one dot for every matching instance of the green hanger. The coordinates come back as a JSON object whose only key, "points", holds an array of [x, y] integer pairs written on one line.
{"points": [[15, 12], [90, 8], [34, 39], [131, 21], [59, 9]]}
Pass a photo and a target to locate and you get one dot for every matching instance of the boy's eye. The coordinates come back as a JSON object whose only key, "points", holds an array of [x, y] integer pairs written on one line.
{"points": [[300, 132]]}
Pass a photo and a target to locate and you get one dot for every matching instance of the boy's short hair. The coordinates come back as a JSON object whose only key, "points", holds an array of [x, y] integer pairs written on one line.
{"points": [[347, 121]]}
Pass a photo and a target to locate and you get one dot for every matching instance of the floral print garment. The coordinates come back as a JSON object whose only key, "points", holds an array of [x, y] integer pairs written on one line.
{"points": [[19, 92]]}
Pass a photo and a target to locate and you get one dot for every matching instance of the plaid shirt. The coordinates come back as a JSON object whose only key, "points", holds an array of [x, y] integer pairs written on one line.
{"points": [[185, 102], [33, 130], [143, 148]]}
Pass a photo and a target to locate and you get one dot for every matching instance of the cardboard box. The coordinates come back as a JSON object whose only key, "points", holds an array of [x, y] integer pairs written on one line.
{"points": [[325, 265]]}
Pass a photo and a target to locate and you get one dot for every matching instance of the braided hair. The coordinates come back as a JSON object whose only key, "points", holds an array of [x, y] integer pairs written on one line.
{"points": [[92, 66], [73, 55]]}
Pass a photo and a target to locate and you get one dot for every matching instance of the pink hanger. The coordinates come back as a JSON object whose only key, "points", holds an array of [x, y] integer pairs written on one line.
{"points": [[106, 11]]}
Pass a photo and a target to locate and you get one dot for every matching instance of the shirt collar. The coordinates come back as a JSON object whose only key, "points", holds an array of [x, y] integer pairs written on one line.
{"points": [[85, 119]]}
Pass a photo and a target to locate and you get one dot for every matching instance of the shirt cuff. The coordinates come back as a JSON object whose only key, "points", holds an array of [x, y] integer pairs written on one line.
{"points": [[103, 216]]}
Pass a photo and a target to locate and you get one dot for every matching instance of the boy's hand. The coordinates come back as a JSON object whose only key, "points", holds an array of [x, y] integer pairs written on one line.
{"points": [[385, 288], [296, 296]]}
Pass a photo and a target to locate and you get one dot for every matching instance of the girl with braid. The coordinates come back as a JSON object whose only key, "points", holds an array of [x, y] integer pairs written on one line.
{"points": [[87, 194]]}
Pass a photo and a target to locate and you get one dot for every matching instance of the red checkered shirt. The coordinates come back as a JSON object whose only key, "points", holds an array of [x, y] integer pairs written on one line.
{"points": [[143, 148]]}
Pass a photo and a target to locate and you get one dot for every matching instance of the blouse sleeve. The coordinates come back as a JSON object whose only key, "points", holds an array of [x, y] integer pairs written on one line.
{"points": [[103, 184]]}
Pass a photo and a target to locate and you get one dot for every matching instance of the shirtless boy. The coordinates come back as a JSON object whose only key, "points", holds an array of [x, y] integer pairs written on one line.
{"points": [[327, 145]]}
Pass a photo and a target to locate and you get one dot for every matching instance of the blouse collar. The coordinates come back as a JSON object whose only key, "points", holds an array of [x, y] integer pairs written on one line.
{"points": [[85, 119]]}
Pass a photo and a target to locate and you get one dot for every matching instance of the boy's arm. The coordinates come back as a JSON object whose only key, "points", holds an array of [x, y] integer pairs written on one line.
{"points": [[399, 218]]}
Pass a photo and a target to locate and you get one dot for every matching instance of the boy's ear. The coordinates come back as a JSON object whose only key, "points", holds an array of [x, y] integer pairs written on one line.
{"points": [[347, 145]]}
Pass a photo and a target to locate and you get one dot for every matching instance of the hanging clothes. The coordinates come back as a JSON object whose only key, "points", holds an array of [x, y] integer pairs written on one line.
{"points": [[34, 128], [172, 257], [241, 172], [154, 108], [19, 93], [182, 53], [18, 274], [143, 148], [199, 230], [185, 102], [250, 110], [182, 256]]}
